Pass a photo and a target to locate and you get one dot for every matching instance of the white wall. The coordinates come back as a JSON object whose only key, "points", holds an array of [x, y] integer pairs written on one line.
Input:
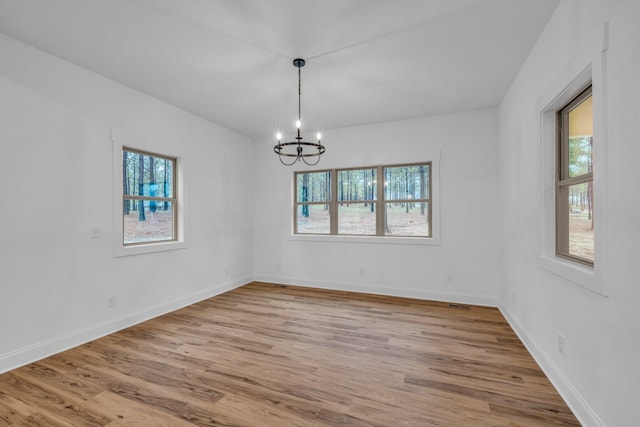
{"points": [[470, 225], [56, 176], [599, 372]]}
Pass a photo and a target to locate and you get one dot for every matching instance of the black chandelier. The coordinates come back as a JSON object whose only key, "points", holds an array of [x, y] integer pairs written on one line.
{"points": [[299, 149]]}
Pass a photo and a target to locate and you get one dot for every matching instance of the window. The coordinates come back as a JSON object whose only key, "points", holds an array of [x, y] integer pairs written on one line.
{"points": [[574, 181], [407, 200], [313, 194], [357, 194], [356, 202], [149, 202]]}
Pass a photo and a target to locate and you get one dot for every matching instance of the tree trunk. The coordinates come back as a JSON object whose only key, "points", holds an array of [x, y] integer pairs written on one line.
{"points": [[125, 182], [141, 216], [165, 194], [349, 196], [305, 194], [372, 190], [406, 188], [152, 184], [590, 201], [423, 189]]}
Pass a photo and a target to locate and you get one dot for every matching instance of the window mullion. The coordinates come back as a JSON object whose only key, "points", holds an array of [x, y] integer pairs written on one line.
{"points": [[430, 203], [380, 202], [564, 147], [581, 179], [157, 199], [295, 203], [333, 205]]}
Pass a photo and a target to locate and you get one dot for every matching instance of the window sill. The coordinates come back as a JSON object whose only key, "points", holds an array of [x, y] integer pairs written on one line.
{"points": [[421, 241], [578, 274], [123, 251]]}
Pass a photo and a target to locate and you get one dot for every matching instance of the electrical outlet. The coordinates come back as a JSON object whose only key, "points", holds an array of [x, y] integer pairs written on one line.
{"points": [[362, 271], [95, 232], [111, 301], [449, 279], [561, 343]]}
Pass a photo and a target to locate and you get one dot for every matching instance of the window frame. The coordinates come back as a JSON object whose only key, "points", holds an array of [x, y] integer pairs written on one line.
{"points": [[427, 200], [335, 208], [121, 139], [296, 203], [566, 86], [135, 198], [564, 180], [379, 201]]}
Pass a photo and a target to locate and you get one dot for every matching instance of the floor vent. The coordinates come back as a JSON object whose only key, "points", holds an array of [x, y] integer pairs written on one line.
{"points": [[459, 306]]}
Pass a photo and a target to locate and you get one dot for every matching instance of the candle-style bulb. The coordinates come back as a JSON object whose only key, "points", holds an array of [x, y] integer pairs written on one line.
{"points": [[298, 123]]}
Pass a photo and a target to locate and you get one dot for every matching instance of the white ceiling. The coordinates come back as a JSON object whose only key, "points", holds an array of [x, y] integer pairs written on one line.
{"points": [[230, 61]]}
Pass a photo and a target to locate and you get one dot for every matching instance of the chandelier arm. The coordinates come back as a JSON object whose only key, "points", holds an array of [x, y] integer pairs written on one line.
{"points": [[311, 164], [287, 164]]}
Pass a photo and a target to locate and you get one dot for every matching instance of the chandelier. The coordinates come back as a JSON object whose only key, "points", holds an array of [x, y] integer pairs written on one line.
{"points": [[298, 149]]}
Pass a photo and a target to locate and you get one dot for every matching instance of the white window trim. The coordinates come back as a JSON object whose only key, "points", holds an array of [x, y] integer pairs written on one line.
{"points": [[584, 276], [120, 139], [434, 240]]}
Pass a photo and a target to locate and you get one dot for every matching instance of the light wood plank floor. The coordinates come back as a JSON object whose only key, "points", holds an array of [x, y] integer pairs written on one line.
{"points": [[269, 355]]}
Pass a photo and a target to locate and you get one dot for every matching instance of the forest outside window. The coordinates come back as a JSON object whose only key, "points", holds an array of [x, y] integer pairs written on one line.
{"points": [[407, 200], [366, 201], [149, 199], [313, 195], [357, 194], [574, 184]]}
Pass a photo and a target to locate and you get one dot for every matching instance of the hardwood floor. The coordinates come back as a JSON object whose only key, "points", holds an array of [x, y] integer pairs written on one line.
{"points": [[270, 355]]}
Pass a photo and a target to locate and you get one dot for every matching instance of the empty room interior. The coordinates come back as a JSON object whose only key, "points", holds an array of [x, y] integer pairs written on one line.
{"points": [[443, 238]]}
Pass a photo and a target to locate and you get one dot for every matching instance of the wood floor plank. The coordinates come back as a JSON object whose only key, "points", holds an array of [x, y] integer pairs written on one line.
{"points": [[54, 403], [275, 355], [14, 412], [125, 412]]}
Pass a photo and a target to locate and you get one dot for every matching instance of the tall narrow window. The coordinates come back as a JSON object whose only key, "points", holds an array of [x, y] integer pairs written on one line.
{"points": [[313, 196], [407, 200], [357, 192], [574, 184], [148, 197]]}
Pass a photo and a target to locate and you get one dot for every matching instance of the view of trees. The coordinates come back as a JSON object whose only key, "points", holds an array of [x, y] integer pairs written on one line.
{"points": [[581, 235], [147, 197], [580, 163], [406, 191], [314, 187], [406, 188], [357, 185]]}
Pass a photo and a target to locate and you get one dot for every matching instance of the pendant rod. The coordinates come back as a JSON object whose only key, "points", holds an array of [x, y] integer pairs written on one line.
{"points": [[299, 93]]}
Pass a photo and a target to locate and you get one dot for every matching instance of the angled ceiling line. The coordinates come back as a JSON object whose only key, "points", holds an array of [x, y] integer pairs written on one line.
{"points": [[399, 31], [206, 28]]}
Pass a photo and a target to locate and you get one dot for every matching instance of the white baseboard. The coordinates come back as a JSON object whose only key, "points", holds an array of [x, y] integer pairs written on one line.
{"points": [[580, 408], [425, 294], [38, 351]]}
